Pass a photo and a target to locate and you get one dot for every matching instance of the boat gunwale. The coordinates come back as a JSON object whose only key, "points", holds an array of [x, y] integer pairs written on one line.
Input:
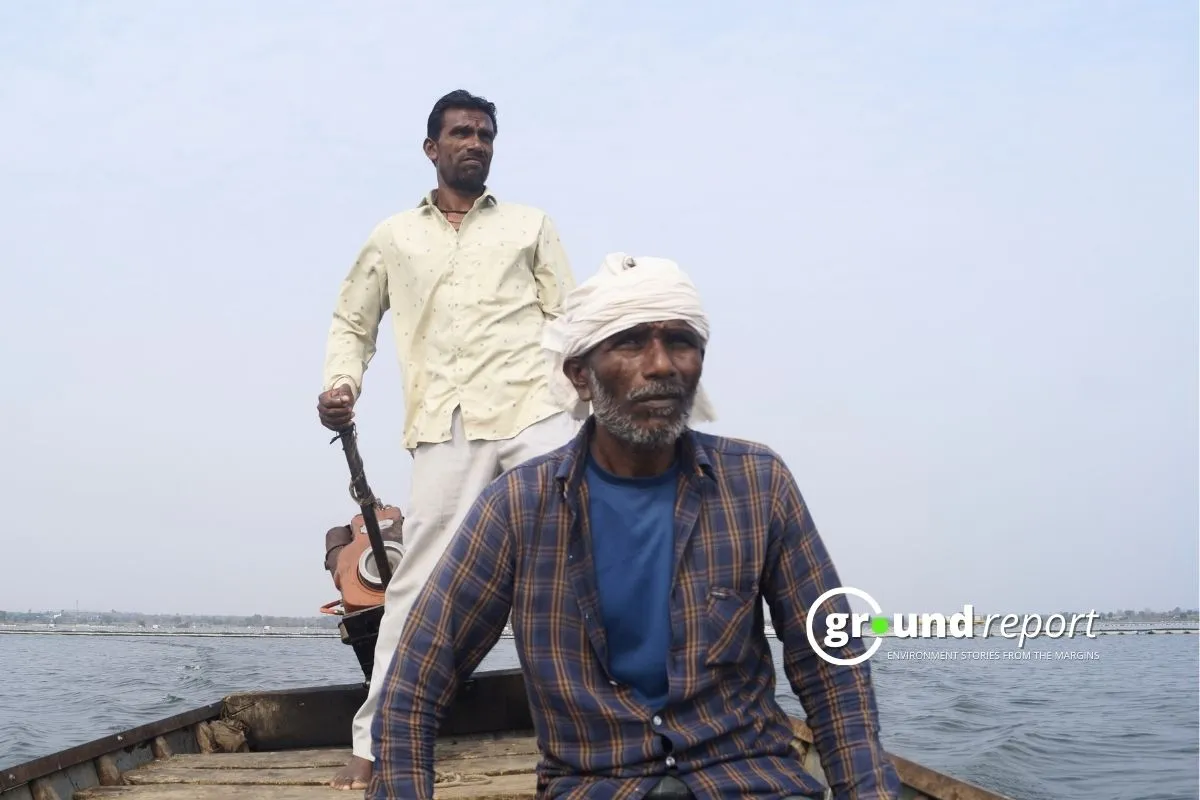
{"points": [[44, 766]]}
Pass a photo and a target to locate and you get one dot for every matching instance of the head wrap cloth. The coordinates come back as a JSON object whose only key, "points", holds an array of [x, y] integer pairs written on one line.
{"points": [[624, 292]]}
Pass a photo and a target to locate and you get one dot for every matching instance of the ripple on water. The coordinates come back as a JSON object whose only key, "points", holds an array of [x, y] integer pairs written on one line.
{"points": [[1122, 726]]}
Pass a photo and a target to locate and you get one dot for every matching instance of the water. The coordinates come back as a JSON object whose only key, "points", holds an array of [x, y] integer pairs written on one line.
{"points": [[1121, 725]]}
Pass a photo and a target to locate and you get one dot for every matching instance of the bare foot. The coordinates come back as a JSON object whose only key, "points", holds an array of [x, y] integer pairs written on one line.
{"points": [[354, 775]]}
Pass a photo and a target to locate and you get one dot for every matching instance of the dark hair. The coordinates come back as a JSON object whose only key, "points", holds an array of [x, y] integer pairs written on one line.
{"points": [[461, 99]]}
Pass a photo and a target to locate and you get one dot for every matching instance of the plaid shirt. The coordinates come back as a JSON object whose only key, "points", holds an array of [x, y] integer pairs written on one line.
{"points": [[742, 533]]}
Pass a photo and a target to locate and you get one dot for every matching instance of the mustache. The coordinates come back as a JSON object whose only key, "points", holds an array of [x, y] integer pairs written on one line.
{"points": [[672, 390]]}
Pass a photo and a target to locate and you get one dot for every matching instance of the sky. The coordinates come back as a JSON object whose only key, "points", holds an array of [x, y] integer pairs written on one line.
{"points": [[949, 254]]}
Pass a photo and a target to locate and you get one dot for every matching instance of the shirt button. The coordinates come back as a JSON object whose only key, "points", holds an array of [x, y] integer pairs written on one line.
{"points": [[657, 720]]}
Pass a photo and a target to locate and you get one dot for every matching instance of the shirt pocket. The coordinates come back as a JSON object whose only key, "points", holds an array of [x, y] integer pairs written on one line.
{"points": [[729, 621]]}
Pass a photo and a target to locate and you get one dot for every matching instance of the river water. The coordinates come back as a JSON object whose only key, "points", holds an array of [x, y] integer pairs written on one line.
{"points": [[1109, 717]]}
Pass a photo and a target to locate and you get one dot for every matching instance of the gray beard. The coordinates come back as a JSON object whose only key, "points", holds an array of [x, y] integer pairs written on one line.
{"points": [[625, 427]]}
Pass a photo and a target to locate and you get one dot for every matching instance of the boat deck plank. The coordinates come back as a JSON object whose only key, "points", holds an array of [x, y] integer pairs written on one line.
{"points": [[501, 787], [282, 759], [464, 747], [478, 768], [313, 776]]}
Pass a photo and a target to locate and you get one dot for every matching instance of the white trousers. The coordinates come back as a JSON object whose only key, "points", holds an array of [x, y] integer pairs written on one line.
{"points": [[447, 477]]}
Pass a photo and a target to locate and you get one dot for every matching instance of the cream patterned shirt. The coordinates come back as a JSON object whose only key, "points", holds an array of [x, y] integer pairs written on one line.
{"points": [[467, 307]]}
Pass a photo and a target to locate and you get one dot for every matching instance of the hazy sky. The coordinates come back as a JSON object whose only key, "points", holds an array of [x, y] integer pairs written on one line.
{"points": [[949, 252]]}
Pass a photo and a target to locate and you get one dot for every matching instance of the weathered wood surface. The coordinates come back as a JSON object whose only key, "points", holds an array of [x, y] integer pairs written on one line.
{"points": [[476, 767], [469, 747], [285, 759], [124, 748], [484, 767], [504, 787], [322, 716], [316, 776], [287, 745]]}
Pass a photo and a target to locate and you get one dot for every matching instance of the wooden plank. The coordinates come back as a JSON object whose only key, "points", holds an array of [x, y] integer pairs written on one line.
{"points": [[322, 716], [453, 770], [445, 749], [502, 787], [297, 776], [506, 744], [299, 718], [284, 759]]}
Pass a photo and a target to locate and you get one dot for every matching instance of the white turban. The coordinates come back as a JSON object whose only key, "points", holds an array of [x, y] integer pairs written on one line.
{"points": [[624, 292]]}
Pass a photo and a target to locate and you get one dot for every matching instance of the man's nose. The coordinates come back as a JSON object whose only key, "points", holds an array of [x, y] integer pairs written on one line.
{"points": [[657, 361]]}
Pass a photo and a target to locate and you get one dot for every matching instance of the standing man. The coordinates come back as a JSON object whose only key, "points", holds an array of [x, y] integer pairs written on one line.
{"points": [[470, 282], [634, 560]]}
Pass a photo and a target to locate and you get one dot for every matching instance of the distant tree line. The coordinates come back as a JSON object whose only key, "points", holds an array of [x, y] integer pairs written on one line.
{"points": [[143, 620], [1176, 614], [1149, 615]]}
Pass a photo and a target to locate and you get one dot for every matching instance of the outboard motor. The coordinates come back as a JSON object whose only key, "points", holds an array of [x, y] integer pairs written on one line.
{"points": [[349, 559], [355, 572]]}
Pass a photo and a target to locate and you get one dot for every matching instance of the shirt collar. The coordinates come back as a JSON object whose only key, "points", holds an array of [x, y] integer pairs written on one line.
{"points": [[485, 199], [693, 459]]}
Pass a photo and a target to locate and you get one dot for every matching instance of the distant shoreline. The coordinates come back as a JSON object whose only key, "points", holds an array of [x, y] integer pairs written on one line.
{"points": [[142, 633], [116, 630], [1104, 629]]}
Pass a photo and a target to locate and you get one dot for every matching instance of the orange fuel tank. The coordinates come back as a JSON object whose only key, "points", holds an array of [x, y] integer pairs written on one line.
{"points": [[351, 562]]}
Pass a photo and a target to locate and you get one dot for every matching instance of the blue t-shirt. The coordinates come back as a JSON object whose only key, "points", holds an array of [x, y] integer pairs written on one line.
{"points": [[633, 547]]}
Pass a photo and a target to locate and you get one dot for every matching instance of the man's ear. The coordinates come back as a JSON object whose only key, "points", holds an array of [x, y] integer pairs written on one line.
{"points": [[430, 148], [576, 372]]}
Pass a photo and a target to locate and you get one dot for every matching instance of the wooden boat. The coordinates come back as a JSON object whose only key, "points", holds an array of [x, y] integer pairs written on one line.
{"points": [[285, 745]]}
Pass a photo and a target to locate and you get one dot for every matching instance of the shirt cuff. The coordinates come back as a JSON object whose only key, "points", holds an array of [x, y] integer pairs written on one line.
{"points": [[343, 380]]}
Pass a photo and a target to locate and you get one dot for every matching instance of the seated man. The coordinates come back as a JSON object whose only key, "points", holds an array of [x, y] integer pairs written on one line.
{"points": [[634, 560]]}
